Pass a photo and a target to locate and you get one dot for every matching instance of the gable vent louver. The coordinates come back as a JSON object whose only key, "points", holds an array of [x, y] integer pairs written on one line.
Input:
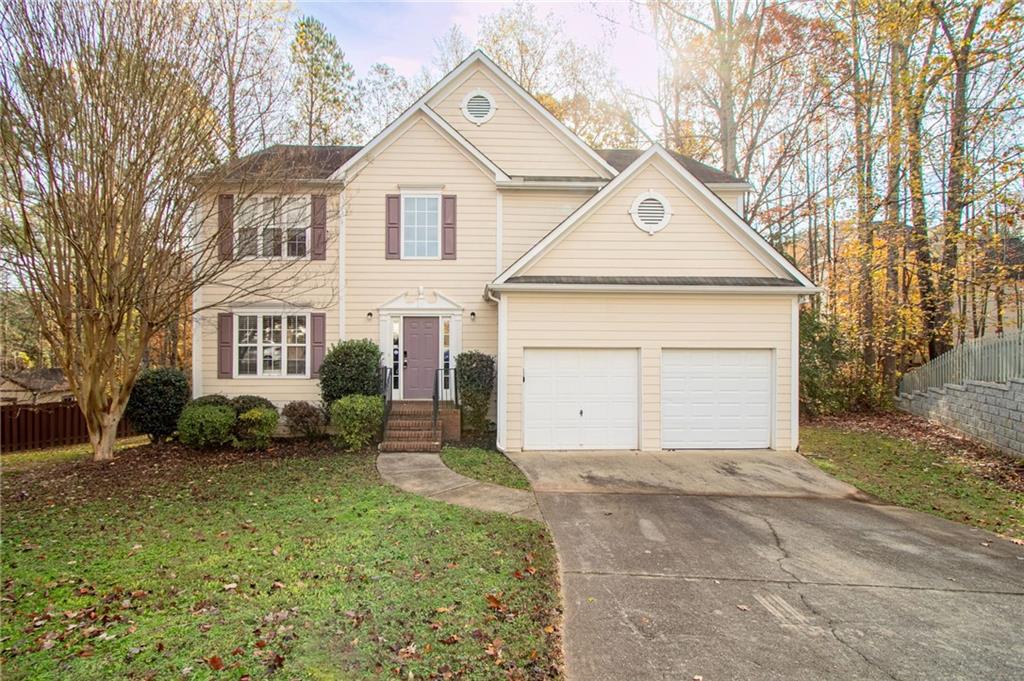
{"points": [[650, 212], [478, 107]]}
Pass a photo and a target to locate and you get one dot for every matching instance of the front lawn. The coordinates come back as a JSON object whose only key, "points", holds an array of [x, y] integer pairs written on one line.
{"points": [[906, 461], [485, 465], [298, 563]]}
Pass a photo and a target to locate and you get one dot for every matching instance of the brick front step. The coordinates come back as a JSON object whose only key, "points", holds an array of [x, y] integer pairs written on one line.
{"points": [[409, 446], [420, 435], [421, 408], [400, 423]]}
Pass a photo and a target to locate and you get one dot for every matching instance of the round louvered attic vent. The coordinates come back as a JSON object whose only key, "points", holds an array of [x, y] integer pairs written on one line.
{"points": [[478, 107], [650, 212]]}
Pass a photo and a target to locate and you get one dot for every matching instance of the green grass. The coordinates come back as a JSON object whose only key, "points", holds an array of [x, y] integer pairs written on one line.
{"points": [[34, 457], [913, 475], [485, 465], [297, 563]]}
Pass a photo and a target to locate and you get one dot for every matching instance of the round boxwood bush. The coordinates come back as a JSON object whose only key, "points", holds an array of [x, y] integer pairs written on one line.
{"points": [[304, 419], [350, 368], [475, 374], [244, 403], [357, 420], [255, 427], [214, 400], [156, 402], [204, 426]]}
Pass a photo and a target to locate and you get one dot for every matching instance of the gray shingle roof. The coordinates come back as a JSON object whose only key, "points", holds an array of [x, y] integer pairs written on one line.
{"points": [[620, 159], [652, 281], [293, 161]]}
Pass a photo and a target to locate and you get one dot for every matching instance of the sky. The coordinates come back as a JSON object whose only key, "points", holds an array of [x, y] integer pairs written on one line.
{"points": [[402, 34]]}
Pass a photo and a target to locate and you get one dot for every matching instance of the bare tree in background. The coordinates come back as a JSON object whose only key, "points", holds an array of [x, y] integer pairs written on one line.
{"points": [[249, 41], [110, 133]]}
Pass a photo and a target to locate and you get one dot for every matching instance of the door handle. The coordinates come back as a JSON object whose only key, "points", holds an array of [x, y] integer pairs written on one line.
{"points": [[581, 412]]}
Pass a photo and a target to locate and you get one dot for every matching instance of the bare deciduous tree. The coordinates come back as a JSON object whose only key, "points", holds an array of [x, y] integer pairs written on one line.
{"points": [[109, 164]]}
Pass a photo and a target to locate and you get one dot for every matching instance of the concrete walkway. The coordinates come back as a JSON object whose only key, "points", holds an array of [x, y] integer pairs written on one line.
{"points": [[425, 474]]}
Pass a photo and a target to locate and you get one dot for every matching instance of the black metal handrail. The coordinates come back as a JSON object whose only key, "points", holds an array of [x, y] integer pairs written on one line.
{"points": [[385, 392], [446, 389]]}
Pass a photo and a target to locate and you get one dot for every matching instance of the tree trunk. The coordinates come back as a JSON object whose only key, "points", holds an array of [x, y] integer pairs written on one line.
{"points": [[103, 433], [894, 139]]}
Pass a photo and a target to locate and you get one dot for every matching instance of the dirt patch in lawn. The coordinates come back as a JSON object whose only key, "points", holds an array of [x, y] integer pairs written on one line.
{"points": [[983, 461]]}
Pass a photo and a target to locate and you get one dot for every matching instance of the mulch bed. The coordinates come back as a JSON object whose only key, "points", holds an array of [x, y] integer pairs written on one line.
{"points": [[142, 468], [984, 461]]}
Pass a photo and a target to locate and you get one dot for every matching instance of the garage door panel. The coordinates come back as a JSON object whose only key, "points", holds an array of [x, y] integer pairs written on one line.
{"points": [[716, 398], [580, 398]]}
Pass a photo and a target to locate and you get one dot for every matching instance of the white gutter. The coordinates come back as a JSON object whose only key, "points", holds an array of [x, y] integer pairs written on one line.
{"points": [[656, 288], [578, 185]]}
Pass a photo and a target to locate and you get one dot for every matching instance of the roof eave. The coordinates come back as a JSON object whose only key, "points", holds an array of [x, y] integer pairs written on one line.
{"points": [[659, 288]]}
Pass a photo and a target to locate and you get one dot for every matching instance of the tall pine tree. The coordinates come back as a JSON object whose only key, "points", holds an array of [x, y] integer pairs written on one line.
{"points": [[323, 86]]}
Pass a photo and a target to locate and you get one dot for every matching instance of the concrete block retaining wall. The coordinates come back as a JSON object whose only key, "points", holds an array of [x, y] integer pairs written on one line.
{"points": [[992, 413]]}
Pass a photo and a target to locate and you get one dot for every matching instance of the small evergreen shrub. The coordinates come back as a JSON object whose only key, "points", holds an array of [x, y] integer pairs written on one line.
{"points": [[357, 420], [156, 402], [255, 427], [204, 426], [350, 368], [475, 374], [244, 403], [304, 419], [212, 401]]}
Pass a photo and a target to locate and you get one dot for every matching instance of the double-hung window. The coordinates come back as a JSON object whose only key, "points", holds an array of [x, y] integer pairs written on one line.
{"points": [[421, 226], [272, 345], [273, 227]]}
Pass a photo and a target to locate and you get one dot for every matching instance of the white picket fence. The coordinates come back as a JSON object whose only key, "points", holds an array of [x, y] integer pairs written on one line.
{"points": [[996, 358]]}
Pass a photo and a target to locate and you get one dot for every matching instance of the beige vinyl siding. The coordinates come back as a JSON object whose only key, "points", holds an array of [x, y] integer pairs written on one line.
{"points": [[529, 215], [515, 138], [649, 322], [421, 155], [607, 242], [282, 286]]}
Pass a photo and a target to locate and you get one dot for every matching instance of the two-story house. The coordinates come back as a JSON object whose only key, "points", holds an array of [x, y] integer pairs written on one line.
{"points": [[626, 301]]}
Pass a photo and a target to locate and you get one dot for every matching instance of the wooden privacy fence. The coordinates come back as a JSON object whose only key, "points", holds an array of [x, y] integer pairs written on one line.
{"points": [[27, 426], [995, 359]]}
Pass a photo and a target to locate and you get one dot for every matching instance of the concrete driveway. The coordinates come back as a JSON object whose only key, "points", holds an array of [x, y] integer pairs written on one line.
{"points": [[756, 565]]}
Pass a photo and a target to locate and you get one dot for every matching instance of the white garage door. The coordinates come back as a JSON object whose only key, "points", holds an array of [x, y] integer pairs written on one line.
{"points": [[716, 399], [580, 399]]}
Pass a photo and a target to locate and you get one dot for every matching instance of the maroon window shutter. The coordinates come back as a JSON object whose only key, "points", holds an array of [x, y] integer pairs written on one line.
{"points": [[448, 227], [317, 342], [225, 355], [393, 226], [318, 227], [225, 226]]}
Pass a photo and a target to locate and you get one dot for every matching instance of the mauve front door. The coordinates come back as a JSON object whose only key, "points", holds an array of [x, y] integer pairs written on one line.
{"points": [[420, 340]]}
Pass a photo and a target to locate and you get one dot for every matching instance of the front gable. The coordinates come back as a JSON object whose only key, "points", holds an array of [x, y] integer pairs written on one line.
{"points": [[702, 237], [517, 136]]}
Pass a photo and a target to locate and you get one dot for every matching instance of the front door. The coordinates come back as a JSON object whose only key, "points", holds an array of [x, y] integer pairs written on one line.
{"points": [[420, 341]]}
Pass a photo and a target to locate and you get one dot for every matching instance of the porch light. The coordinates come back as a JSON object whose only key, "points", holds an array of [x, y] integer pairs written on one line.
{"points": [[369, 316], [472, 316]]}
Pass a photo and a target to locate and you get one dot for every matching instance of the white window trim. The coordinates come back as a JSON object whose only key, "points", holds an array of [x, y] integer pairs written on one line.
{"points": [[258, 313], [634, 212], [401, 224], [465, 104], [307, 218]]}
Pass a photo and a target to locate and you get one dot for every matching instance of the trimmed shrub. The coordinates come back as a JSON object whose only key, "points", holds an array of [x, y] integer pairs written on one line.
{"points": [[205, 426], [255, 427], [156, 402], [304, 419], [475, 373], [350, 368], [244, 403], [357, 420], [212, 401]]}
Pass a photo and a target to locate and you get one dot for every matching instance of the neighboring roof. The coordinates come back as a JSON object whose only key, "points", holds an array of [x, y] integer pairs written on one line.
{"points": [[623, 158], [651, 281], [710, 202], [293, 161], [38, 380]]}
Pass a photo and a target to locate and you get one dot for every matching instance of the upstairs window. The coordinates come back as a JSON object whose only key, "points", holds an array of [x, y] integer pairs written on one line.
{"points": [[421, 226], [273, 227]]}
